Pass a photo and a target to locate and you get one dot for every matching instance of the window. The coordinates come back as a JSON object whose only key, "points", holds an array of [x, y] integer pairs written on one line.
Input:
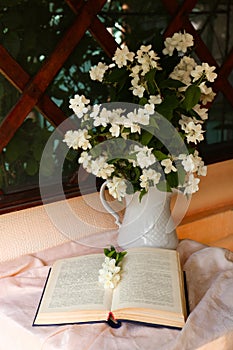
{"points": [[47, 48]]}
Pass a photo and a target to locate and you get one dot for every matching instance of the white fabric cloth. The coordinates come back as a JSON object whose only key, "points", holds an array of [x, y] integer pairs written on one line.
{"points": [[209, 273]]}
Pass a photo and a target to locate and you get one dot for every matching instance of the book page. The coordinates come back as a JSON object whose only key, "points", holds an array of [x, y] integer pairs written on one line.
{"points": [[149, 279], [73, 283]]}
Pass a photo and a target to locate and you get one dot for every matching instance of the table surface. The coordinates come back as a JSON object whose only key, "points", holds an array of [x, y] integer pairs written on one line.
{"points": [[209, 274]]}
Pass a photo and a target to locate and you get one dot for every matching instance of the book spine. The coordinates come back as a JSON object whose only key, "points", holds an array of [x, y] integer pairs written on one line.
{"points": [[112, 321]]}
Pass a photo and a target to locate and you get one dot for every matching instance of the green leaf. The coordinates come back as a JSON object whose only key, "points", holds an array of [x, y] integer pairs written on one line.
{"points": [[1, 91], [143, 101], [47, 167], [146, 137], [167, 106], [172, 179], [1, 180], [111, 254], [150, 79], [12, 19], [12, 152], [181, 173], [153, 122], [37, 151], [163, 186], [32, 167], [159, 155], [192, 97], [135, 174], [71, 155], [142, 193], [106, 251], [116, 75], [12, 43], [171, 83], [7, 3]]}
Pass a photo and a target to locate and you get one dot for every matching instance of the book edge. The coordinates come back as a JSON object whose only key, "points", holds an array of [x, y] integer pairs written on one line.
{"points": [[41, 298]]}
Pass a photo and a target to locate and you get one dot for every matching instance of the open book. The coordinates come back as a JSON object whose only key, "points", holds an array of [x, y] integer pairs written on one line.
{"points": [[151, 291]]}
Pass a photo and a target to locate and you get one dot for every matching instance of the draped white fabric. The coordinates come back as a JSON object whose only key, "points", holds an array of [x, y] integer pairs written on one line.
{"points": [[209, 273]]}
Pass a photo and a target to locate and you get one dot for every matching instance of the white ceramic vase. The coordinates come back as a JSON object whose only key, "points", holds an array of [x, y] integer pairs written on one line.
{"points": [[146, 223]]}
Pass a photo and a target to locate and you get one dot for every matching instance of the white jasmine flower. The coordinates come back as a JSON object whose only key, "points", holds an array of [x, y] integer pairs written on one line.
{"points": [[209, 72], [144, 182], [117, 187], [138, 90], [97, 72], [183, 69], [186, 40], [145, 54], [135, 81], [188, 162], [145, 67], [147, 58], [71, 139], [77, 139], [115, 279], [149, 177], [78, 105], [143, 49], [102, 118], [178, 41], [207, 98], [95, 111], [85, 160], [135, 71], [130, 122], [169, 47], [112, 266], [192, 130], [115, 130], [125, 135], [206, 70], [123, 55], [207, 94], [106, 171], [191, 185], [135, 128], [115, 115], [100, 168], [193, 163], [143, 117], [202, 112], [149, 108], [109, 274], [155, 99], [202, 169], [187, 63], [167, 163], [144, 156], [108, 284]]}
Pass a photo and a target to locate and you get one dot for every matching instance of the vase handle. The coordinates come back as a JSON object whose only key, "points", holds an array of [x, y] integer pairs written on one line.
{"points": [[105, 204]]}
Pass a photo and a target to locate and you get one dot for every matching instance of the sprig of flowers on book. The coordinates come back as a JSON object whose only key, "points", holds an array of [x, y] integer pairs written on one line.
{"points": [[164, 83], [109, 275]]}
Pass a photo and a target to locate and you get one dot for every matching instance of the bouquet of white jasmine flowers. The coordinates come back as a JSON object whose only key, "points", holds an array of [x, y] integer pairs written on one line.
{"points": [[149, 135], [109, 274]]}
